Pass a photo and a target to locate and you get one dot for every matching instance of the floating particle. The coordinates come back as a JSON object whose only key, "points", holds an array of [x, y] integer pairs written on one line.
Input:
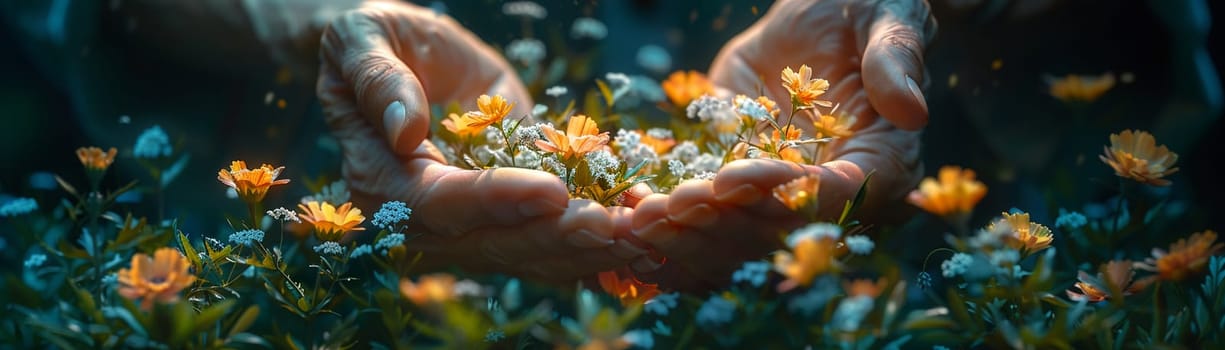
{"points": [[268, 97], [1127, 77], [123, 119], [997, 64], [280, 103], [952, 80]]}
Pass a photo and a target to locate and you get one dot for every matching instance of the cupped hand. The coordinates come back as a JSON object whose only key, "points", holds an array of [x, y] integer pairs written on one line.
{"points": [[381, 66], [872, 54]]}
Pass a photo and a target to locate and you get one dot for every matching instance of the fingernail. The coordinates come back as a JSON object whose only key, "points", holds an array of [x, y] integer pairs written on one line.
{"points": [[658, 234], [393, 122], [917, 92], [645, 264], [588, 239], [493, 253], [741, 195], [625, 250], [539, 207], [700, 216]]}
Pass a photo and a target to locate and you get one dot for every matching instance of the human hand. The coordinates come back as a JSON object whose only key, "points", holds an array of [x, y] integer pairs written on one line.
{"points": [[872, 53], [382, 64]]}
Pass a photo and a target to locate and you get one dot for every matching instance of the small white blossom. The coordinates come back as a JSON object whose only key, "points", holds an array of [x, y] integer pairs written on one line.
{"points": [[603, 166], [19, 206], [705, 162], [814, 231], [752, 109], [35, 260], [640, 338], [676, 168], [525, 51], [525, 9], [851, 312], [619, 83], [282, 214], [247, 237], [860, 244], [587, 27], [956, 265], [715, 312], [329, 248], [686, 151], [707, 108], [556, 91], [659, 133], [152, 143], [1070, 220], [654, 58]]}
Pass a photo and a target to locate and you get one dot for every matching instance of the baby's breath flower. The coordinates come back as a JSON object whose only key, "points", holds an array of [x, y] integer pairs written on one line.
{"points": [[35, 260], [925, 280], [361, 250], [1004, 257], [603, 166], [705, 162], [537, 110], [956, 265], [392, 213], [19, 206], [752, 109], [526, 51], [676, 168], [619, 83], [556, 91], [335, 192], [753, 272], [705, 175], [814, 231], [708, 108], [686, 151], [627, 138], [654, 58], [216, 244], [715, 312], [494, 335], [152, 143], [526, 9], [329, 248], [640, 338], [389, 241], [526, 135], [659, 133], [281, 214], [661, 304], [860, 244], [1070, 220], [247, 237], [851, 311], [587, 27]]}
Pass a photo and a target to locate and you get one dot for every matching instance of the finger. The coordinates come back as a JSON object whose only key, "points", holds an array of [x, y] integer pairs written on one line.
{"points": [[627, 245], [893, 60], [635, 194], [749, 184], [584, 225], [455, 201]]}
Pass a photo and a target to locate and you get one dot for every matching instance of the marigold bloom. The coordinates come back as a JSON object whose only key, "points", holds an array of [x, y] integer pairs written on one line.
{"points": [[769, 104], [492, 111], [1030, 236], [159, 278], [952, 196], [331, 223], [459, 126], [1187, 257], [834, 126], [660, 145], [1135, 155], [864, 287], [93, 158], [684, 87], [1114, 274], [810, 257], [803, 88], [251, 184], [582, 136], [430, 289], [629, 290], [1081, 88], [799, 193]]}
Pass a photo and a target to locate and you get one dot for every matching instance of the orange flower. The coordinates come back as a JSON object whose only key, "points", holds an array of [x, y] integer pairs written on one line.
{"points": [[805, 90], [1186, 257], [159, 278], [459, 126], [430, 289], [251, 184], [807, 259], [952, 197], [769, 104], [1134, 155], [684, 87], [1027, 236], [1081, 88], [1116, 274], [331, 223], [864, 287], [492, 111], [799, 193], [94, 159], [582, 136], [630, 290], [660, 145], [834, 126], [793, 133]]}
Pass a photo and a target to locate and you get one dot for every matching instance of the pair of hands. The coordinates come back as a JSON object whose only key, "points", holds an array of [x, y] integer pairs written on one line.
{"points": [[384, 62]]}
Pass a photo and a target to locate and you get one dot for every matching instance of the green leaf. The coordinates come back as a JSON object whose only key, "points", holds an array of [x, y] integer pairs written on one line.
{"points": [[244, 321], [854, 204], [582, 174], [206, 319], [67, 187], [606, 92], [189, 251]]}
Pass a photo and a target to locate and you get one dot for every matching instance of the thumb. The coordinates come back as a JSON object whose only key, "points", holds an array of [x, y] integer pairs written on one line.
{"points": [[898, 32], [371, 80]]}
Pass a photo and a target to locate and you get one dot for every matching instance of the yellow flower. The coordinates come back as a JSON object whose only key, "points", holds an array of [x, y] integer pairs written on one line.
{"points": [[1115, 274], [94, 159], [1027, 236], [1186, 258], [810, 257], [492, 111], [799, 193], [459, 126], [660, 145], [1135, 155], [1081, 88], [159, 278], [430, 289], [629, 290], [803, 88], [684, 87], [331, 223], [952, 197], [251, 184], [582, 136], [834, 126]]}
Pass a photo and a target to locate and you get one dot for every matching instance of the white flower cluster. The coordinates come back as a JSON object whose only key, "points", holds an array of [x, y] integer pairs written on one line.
{"points": [[589, 28], [526, 51], [603, 167], [525, 9]]}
